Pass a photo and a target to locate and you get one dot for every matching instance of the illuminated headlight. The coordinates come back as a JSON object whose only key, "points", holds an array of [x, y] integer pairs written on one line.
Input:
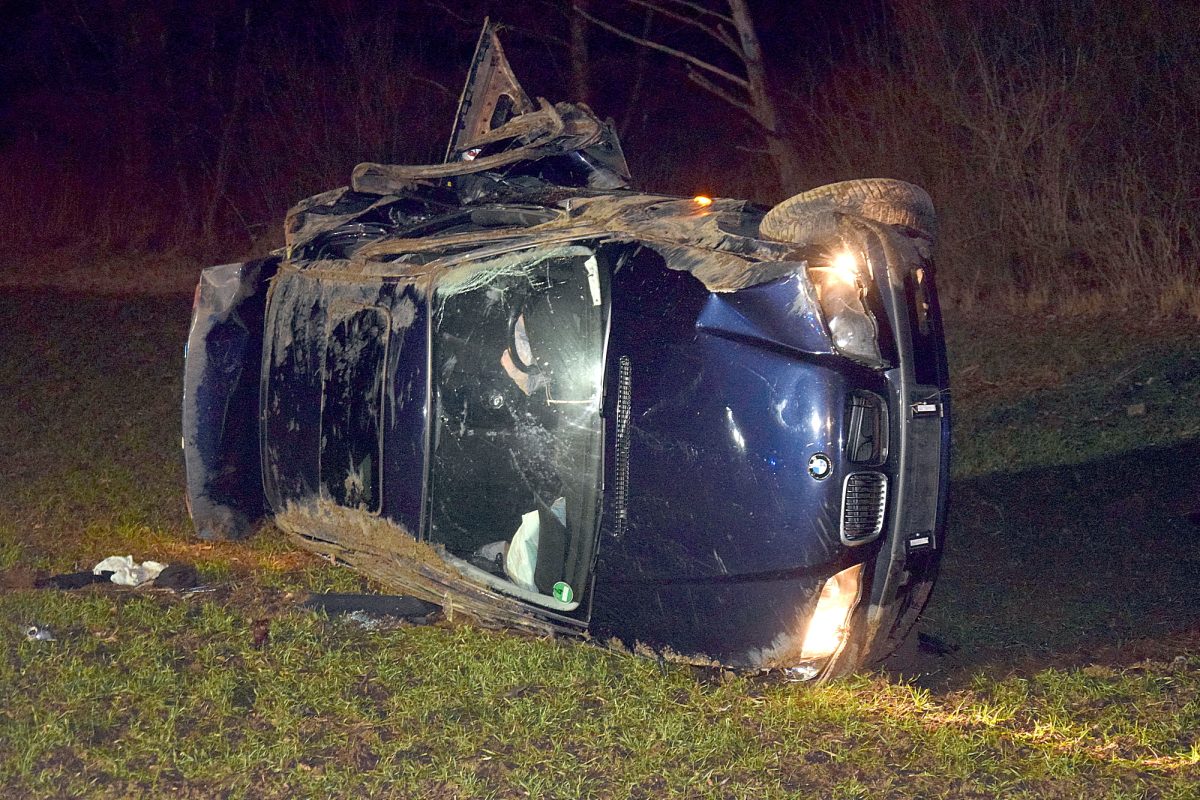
{"points": [[827, 627], [840, 285]]}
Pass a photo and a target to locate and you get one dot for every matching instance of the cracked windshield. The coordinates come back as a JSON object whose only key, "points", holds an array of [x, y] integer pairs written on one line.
{"points": [[516, 470]]}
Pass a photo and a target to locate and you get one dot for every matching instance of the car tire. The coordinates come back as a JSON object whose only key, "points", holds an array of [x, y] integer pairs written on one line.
{"points": [[813, 217]]}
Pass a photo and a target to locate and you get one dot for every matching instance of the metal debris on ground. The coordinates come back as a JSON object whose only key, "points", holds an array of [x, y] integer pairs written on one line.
{"points": [[124, 571], [364, 620], [72, 580], [374, 606], [177, 578], [800, 674]]}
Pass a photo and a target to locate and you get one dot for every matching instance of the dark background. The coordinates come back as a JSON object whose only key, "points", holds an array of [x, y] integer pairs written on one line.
{"points": [[1057, 139]]}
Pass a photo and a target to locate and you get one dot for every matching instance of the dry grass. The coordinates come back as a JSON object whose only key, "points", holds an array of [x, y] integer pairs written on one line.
{"points": [[1062, 163]]}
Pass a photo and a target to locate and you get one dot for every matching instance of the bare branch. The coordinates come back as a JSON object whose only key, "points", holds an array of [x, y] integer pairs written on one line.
{"points": [[722, 36], [756, 151], [671, 51], [635, 93], [715, 33], [450, 12], [500, 27], [756, 81], [708, 86], [579, 53], [702, 10], [435, 84]]}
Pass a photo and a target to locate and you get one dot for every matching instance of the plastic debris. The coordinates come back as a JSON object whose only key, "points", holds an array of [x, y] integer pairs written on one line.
{"points": [[127, 572], [39, 633], [520, 559]]}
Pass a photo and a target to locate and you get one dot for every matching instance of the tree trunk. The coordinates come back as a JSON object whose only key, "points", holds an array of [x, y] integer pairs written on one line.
{"points": [[751, 94], [579, 52], [788, 162], [781, 148]]}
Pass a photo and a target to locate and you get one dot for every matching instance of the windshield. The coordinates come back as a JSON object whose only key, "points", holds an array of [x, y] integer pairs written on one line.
{"points": [[517, 367]]}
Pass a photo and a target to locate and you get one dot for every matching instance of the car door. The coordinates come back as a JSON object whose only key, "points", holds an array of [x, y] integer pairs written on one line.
{"points": [[322, 402]]}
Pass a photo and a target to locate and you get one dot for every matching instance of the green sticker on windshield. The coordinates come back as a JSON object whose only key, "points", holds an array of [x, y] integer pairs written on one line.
{"points": [[563, 592]]}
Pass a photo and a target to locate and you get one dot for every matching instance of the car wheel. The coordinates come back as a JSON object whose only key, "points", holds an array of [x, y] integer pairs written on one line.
{"points": [[814, 216]]}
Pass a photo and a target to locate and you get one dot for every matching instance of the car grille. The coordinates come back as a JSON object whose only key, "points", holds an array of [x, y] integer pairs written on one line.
{"points": [[621, 478], [864, 498]]}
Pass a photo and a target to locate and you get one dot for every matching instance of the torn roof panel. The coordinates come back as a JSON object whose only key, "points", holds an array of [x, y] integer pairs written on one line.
{"points": [[713, 241]]}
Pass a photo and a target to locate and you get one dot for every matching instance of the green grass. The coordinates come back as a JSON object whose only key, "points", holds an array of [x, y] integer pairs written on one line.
{"points": [[1068, 586], [144, 694], [1039, 392]]}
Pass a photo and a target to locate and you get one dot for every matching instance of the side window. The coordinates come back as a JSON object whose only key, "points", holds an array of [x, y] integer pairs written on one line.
{"points": [[351, 405]]}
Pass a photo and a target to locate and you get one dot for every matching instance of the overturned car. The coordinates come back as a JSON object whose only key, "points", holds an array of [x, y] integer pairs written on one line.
{"points": [[512, 386]]}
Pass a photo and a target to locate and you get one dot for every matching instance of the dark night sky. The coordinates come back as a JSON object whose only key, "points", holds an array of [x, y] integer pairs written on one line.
{"points": [[64, 47]]}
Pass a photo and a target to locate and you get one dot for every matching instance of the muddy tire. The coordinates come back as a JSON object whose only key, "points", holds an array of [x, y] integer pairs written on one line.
{"points": [[813, 216]]}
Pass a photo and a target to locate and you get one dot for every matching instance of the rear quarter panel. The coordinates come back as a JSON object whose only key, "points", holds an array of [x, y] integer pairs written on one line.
{"points": [[221, 399]]}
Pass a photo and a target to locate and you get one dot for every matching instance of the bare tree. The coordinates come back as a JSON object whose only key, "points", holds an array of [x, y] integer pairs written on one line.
{"points": [[579, 52], [745, 87]]}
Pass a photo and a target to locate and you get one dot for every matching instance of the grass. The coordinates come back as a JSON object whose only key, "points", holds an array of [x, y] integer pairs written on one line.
{"points": [[1075, 463], [1067, 587], [1036, 390], [144, 695]]}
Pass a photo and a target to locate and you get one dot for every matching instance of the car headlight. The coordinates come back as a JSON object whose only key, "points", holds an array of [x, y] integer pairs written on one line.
{"points": [[841, 286], [827, 626]]}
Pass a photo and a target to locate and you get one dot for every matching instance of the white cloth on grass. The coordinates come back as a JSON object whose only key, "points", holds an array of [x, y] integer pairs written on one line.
{"points": [[127, 572]]}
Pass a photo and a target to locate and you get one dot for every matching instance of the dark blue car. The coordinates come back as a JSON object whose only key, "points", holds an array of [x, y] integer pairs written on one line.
{"points": [[510, 385]]}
